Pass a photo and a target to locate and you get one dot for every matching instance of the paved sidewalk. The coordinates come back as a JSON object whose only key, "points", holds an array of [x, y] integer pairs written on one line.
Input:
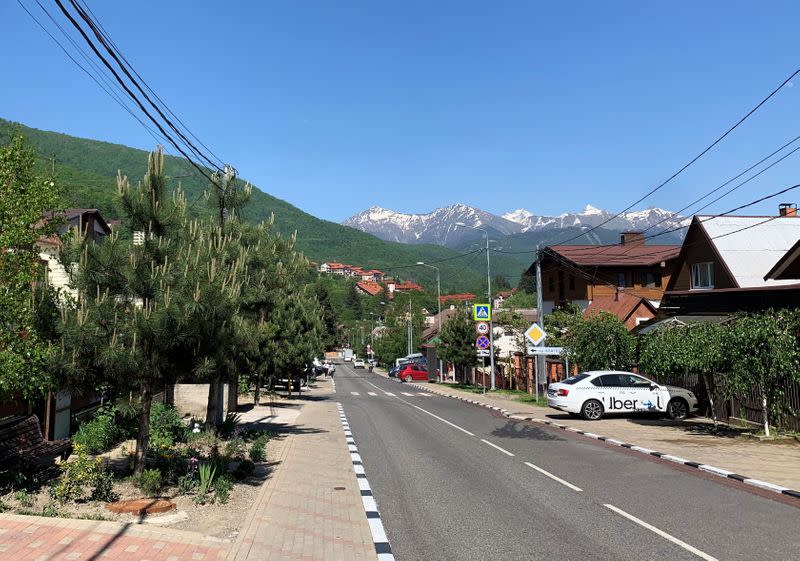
{"points": [[311, 509], [33, 538], [774, 462]]}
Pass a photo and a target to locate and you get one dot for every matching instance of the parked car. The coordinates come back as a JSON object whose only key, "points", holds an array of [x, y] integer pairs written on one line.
{"points": [[358, 363], [413, 371], [593, 394], [394, 370]]}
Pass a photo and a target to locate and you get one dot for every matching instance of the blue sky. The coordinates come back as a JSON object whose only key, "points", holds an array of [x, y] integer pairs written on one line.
{"points": [[338, 106]]}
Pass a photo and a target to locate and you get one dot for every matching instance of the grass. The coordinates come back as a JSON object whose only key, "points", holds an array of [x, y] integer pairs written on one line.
{"points": [[517, 395]]}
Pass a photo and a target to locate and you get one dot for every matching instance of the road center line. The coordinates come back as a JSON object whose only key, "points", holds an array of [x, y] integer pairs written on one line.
{"points": [[662, 533], [503, 450], [554, 477]]}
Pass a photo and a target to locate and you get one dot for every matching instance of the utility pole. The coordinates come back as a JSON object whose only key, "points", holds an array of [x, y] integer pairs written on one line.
{"points": [[539, 315], [410, 327], [439, 301]]}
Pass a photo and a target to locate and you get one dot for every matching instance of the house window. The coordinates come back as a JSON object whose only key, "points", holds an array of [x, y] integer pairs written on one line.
{"points": [[551, 283], [703, 275], [623, 280], [572, 282], [652, 280]]}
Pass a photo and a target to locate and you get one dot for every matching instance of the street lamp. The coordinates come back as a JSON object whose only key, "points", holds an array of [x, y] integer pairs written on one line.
{"points": [[439, 301], [488, 294]]}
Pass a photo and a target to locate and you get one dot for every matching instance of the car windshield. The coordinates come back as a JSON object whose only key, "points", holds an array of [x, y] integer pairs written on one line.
{"points": [[576, 378]]}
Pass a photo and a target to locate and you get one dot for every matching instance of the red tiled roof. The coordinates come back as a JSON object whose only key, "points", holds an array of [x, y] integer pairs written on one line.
{"points": [[371, 288], [336, 266], [507, 293], [375, 272], [622, 306], [464, 297], [617, 254], [408, 285]]}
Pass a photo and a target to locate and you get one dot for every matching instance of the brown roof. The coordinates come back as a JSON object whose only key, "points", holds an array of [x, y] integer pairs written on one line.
{"points": [[465, 297], [622, 306], [617, 254], [408, 285], [371, 288]]}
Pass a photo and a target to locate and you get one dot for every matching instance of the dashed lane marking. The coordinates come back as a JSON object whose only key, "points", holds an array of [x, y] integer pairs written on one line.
{"points": [[554, 477]]}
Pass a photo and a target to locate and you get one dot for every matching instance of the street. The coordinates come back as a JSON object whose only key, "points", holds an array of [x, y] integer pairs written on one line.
{"points": [[456, 482]]}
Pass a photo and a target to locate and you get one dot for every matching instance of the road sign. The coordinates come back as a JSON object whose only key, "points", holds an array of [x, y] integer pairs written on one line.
{"points": [[544, 350], [535, 334], [482, 328], [482, 312], [482, 342], [483, 353]]}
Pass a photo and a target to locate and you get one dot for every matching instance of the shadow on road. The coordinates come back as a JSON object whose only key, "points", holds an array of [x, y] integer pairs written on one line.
{"points": [[522, 430]]}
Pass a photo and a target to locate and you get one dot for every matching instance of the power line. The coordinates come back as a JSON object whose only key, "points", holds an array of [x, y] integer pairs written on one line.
{"points": [[127, 89], [690, 162], [133, 69], [98, 34]]}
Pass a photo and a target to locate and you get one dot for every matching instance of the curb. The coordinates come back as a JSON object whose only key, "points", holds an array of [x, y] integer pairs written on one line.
{"points": [[379, 538], [667, 457]]}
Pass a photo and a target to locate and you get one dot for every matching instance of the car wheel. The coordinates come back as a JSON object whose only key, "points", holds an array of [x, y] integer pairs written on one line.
{"points": [[592, 410], [408, 378], [678, 409]]}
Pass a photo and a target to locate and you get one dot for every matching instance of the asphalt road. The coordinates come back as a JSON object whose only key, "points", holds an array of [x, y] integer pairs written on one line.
{"points": [[457, 482]]}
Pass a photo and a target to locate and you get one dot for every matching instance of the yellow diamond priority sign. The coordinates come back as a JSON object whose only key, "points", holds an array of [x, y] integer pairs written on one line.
{"points": [[535, 334]]}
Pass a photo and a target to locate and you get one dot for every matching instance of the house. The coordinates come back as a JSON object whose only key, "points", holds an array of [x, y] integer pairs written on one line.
{"points": [[465, 298], [370, 288], [377, 275], [501, 297], [86, 220], [736, 263], [578, 274], [628, 308], [407, 286]]}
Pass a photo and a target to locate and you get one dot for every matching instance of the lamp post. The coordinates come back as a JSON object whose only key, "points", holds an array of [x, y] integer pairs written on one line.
{"points": [[489, 296], [439, 301]]}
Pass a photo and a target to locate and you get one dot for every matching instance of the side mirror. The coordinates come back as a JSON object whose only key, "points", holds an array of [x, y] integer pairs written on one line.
{"points": [[653, 387]]}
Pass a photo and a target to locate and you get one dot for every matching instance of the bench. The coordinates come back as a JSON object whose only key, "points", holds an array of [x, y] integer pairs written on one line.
{"points": [[22, 446]]}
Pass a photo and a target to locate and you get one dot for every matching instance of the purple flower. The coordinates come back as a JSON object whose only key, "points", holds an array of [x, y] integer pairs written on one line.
{"points": [[194, 463]]}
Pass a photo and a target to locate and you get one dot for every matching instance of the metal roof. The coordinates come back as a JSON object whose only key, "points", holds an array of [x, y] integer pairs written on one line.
{"points": [[751, 245]]}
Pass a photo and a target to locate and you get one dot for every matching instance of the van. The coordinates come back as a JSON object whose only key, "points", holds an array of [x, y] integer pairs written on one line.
{"points": [[413, 357]]}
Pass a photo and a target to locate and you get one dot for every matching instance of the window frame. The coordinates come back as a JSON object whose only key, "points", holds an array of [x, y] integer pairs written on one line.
{"points": [[694, 274]]}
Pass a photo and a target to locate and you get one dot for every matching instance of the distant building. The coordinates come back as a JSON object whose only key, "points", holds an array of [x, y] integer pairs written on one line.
{"points": [[370, 288], [629, 309], [466, 298]]}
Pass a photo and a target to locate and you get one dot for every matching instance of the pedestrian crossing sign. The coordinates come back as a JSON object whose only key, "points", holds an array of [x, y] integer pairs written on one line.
{"points": [[482, 312]]}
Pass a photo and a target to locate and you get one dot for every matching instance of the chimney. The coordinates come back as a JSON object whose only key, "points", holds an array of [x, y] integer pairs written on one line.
{"points": [[787, 209], [631, 238]]}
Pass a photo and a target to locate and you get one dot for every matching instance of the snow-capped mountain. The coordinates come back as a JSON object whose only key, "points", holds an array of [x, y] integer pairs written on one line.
{"points": [[439, 227]]}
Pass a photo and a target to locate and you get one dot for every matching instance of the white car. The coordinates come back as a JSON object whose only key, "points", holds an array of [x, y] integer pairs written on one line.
{"points": [[593, 394], [358, 363]]}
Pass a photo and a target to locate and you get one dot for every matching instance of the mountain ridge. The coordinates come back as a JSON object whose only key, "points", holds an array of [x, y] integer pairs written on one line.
{"points": [[440, 225]]}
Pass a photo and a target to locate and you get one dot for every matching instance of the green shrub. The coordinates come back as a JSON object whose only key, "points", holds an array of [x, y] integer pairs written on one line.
{"points": [[24, 498], [258, 451], [166, 426], [206, 473], [82, 479], [50, 511], [230, 423], [99, 434], [244, 469], [186, 484], [3, 506], [222, 489], [235, 448], [149, 482], [103, 489]]}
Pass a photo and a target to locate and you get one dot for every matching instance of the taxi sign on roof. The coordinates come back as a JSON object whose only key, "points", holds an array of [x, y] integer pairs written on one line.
{"points": [[482, 312], [535, 334]]}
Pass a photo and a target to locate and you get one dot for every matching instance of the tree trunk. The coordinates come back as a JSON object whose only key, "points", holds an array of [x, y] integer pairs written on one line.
{"points": [[765, 411], [212, 406], [143, 438], [257, 393], [708, 381], [169, 394]]}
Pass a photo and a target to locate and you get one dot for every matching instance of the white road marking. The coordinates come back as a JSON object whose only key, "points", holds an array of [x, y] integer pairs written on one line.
{"points": [[372, 393], [662, 533], [554, 477], [495, 446], [353, 393], [442, 420], [408, 394], [390, 394], [424, 394]]}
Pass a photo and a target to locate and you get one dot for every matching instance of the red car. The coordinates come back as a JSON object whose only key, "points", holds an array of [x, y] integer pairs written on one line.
{"points": [[413, 371]]}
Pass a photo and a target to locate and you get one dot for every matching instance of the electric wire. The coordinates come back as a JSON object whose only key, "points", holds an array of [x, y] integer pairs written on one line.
{"points": [[690, 162]]}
